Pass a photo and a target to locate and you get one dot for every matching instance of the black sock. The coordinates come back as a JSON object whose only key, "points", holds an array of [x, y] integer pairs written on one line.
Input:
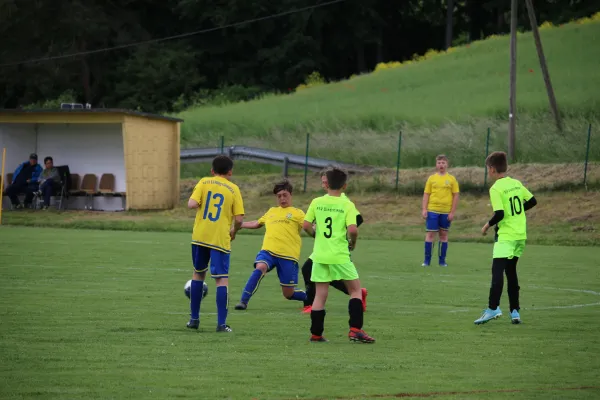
{"points": [[512, 281], [498, 267], [308, 284], [339, 285], [355, 308], [317, 319]]}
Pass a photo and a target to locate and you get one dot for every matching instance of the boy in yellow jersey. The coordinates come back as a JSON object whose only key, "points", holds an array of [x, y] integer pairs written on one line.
{"points": [[219, 203], [281, 246], [439, 205], [510, 199], [308, 265], [335, 220]]}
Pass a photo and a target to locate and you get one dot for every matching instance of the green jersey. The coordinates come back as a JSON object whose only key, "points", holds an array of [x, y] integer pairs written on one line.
{"points": [[509, 195], [332, 216]]}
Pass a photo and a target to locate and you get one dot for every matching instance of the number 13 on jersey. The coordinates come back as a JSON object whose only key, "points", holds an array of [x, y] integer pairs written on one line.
{"points": [[213, 200]]}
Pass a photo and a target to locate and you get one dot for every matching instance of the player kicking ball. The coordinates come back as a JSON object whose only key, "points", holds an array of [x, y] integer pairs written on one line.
{"points": [[218, 203], [335, 219], [280, 249], [308, 266], [440, 200], [510, 199]]}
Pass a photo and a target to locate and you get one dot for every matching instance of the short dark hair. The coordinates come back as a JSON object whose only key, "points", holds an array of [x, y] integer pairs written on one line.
{"points": [[442, 157], [283, 185], [48, 159], [498, 161], [221, 165], [326, 169], [336, 178]]}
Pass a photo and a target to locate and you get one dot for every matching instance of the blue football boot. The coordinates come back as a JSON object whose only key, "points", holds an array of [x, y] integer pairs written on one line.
{"points": [[515, 318], [488, 315]]}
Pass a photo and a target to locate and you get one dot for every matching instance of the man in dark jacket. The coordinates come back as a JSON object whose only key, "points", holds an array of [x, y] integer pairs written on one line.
{"points": [[25, 180]]}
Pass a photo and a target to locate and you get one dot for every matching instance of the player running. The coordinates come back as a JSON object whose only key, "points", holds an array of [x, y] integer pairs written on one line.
{"points": [[280, 249]]}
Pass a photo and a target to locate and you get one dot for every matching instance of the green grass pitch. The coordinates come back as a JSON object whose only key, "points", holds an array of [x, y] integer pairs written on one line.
{"points": [[100, 314]]}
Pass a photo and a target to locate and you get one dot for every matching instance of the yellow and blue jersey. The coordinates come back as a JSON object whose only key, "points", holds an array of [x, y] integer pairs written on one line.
{"points": [[441, 189], [219, 201], [282, 237]]}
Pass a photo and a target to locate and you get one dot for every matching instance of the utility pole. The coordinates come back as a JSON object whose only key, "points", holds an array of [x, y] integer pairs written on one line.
{"points": [[543, 65], [449, 22], [513, 81]]}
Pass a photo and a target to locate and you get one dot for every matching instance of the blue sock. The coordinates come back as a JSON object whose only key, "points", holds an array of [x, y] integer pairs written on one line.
{"points": [[196, 298], [443, 251], [222, 305], [428, 250], [251, 285], [299, 295]]}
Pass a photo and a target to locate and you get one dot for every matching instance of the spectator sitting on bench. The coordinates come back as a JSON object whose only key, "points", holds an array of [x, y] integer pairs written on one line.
{"points": [[25, 180], [49, 180]]}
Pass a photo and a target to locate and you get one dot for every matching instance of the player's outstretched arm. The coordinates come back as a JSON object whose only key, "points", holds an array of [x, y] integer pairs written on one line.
{"points": [[308, 228], [251, 225], [237, 225]]}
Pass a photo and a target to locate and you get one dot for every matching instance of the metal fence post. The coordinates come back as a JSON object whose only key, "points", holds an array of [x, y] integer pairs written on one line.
{"points": [[286, 166], [487, 152], [306, 161], [587, 155], [398, 159]]}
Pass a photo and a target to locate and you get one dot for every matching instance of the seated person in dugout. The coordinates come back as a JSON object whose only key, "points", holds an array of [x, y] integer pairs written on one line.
{"points": [[25, 180], [49, 181]]}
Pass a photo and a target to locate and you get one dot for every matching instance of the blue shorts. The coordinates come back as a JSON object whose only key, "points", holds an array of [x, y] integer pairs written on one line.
{"points": [[219, 261], [287, 270], [436, 221]]}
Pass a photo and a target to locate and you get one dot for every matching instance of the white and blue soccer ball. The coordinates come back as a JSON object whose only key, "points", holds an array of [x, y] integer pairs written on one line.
{"points": [[188, 289]]}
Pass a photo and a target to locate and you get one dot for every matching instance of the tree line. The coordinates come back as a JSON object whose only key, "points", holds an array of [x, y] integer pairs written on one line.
{"points": [[230, 64]]}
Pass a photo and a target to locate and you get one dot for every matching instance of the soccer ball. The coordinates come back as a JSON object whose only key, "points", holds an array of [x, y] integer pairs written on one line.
{"points": [[187, 289]]}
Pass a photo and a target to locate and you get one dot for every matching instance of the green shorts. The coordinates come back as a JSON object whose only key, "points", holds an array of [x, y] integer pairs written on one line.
{"points": [[509, 248], [333, 272]]}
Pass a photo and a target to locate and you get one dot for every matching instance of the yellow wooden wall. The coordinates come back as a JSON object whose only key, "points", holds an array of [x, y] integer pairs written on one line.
{"points": [[151, 163]]}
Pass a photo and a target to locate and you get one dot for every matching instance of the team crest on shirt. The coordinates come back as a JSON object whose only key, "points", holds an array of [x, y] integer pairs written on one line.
{"points": [[447, 182], [289, 216]]}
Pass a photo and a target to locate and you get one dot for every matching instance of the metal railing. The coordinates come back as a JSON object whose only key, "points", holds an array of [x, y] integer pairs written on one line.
{"points": [[266, 157]]}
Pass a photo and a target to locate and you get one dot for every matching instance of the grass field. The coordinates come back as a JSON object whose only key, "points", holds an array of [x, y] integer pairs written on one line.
{"points": [[443, 104], [100, 314]]}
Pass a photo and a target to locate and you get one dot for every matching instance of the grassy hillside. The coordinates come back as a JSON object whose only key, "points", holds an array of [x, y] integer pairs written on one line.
{"points": [[443, 103]]}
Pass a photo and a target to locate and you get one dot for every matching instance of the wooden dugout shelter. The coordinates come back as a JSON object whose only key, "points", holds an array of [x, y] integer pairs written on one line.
{"points": [[141, 150]]}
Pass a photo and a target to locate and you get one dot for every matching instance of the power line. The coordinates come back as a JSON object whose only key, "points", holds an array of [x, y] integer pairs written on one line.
{"points": [[183, 35]]}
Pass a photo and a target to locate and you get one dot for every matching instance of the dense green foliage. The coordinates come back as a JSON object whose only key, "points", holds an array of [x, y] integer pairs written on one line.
{"points": [[226, 64]]}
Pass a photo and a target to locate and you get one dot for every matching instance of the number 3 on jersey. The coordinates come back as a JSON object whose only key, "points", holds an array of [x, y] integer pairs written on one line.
{"points": [[217, 197], [328, 222]]}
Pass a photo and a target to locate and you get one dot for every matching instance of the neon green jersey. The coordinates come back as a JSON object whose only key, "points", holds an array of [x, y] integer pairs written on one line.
{"points": [[332, 216], [509, 195]]}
